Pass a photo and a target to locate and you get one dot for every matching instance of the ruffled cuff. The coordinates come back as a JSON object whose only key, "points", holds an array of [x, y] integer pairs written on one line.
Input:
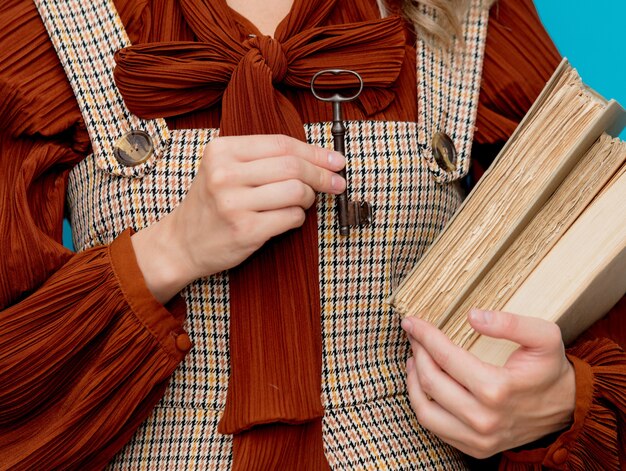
{"points": [[83, 359], [163, 322], [600, 368]]}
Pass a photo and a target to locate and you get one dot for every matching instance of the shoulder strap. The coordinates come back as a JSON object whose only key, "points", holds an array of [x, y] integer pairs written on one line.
{"points": [[448, 84], [86, 34]]}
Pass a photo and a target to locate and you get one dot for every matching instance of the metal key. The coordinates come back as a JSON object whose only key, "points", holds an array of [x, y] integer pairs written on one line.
{"points": [[349, 213]]}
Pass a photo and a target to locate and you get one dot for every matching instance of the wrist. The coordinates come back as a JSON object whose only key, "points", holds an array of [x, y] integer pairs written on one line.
{"points": [[567, 395], [161, 259]]}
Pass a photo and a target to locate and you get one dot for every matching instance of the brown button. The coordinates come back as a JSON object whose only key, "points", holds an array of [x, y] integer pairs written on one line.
{"points": [[183, 342], [133, 148], [560, 456], [444, 151]]}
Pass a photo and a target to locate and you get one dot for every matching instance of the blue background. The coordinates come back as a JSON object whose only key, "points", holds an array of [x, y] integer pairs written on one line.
{"points": [[591, 35]]}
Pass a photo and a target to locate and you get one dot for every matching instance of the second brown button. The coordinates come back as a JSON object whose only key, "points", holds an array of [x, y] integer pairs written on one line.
{"points": [[444, 151], [560, 456], [183, 342], [133, 148]]}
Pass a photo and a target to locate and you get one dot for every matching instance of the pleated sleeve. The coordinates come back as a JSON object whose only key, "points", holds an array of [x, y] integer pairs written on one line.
{"points": [[597, 432], [85, 349], [519, 59]]}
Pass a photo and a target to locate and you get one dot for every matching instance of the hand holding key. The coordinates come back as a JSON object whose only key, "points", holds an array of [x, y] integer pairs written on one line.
{"points": [[247, 190]]}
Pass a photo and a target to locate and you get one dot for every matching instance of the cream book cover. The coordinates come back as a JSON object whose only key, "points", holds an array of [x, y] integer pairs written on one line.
{"points": [[560, 159]]}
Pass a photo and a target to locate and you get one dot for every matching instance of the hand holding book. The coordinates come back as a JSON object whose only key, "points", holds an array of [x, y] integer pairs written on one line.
{"points": [[543, 234], [483, 409]]}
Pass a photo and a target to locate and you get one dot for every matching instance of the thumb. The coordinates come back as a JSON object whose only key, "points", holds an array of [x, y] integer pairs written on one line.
{"points": [[531, 333]]}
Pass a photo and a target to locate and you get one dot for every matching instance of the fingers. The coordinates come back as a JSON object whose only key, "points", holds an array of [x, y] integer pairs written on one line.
{"points": [[275, 169], [464, 367], [278, 195], [431, 415], [259, 160], [255, 147], [247, 190], [271, 223], [444, 390], [482, 409], [530, 332]]}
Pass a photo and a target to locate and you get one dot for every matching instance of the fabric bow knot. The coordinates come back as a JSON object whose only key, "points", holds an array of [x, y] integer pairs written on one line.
{"points": [[189, 76], [269, 50]]}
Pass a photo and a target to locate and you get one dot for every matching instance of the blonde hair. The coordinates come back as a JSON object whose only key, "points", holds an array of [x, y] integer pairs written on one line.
{"points": [[444, 25]]}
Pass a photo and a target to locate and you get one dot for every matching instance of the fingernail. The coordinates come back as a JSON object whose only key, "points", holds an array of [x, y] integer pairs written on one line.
{"points": [[481, 317], [410, 364], [406, 324], [334, 182], [336, 159], [337, 183]]}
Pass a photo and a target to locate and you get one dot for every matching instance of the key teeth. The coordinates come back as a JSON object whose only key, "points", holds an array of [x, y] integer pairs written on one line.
{"points": [[359, 213]]}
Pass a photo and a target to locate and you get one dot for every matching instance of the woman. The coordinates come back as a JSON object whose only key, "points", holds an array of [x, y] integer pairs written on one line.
{"points": [[90, 341]]}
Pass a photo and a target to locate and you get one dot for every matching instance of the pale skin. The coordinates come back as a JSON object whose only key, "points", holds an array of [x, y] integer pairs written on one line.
{"points": [[247, 190], [251, 188], [482, 409]]}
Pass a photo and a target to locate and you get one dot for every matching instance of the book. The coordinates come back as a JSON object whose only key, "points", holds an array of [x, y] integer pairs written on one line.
{"points": [[592, 174], [557, 165], [581, 277]]}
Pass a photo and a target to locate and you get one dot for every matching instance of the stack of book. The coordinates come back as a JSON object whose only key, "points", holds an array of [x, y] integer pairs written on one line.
{"points": [[542, 234]]}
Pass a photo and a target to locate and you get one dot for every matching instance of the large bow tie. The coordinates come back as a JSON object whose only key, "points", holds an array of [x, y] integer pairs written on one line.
{"points": [[188, 76], [244, 70]]}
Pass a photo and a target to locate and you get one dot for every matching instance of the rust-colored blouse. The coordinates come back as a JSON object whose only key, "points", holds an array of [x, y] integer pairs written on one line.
{"points": [[86, 351]]}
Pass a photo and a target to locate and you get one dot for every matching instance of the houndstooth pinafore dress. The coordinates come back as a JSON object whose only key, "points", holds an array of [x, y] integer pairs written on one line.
{"points": [[368, 422]]}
